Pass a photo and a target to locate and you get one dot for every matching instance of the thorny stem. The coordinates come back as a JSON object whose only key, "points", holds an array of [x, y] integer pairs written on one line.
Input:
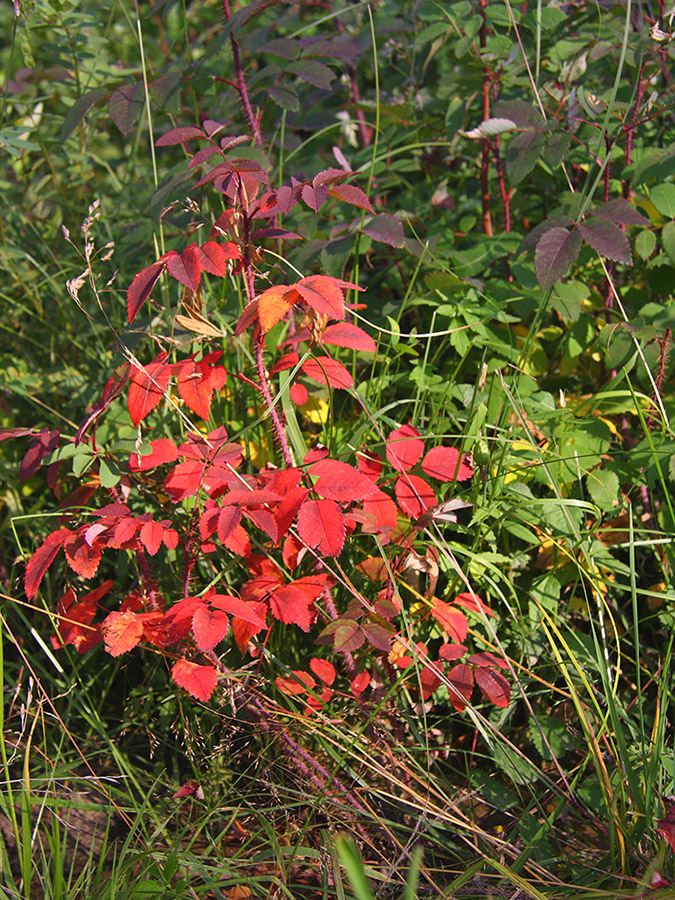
{"points": [[269, 403], [503, 193], [241, 83], [485, 155], [663, 361], [303, 760], [641, 85], [146, 578]]}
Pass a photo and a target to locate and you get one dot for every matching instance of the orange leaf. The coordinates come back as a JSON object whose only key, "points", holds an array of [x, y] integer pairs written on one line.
{"points": [[121, 632]]}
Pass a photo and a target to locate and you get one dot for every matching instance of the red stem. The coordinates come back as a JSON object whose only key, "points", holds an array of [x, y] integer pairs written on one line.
{"points": [[241, 83]]}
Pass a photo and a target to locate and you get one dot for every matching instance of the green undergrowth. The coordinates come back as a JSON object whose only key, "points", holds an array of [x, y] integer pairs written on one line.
{"points": [[504, 197]]}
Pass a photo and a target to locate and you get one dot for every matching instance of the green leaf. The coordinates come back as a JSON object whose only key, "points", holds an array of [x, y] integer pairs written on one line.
{"points": [[108, 473], [663, 198], [557, 249], [548, 732], [351, 862], [603, 487], [607, 239], [645, 244], [668, 239], [522, 155], [580, 336]]}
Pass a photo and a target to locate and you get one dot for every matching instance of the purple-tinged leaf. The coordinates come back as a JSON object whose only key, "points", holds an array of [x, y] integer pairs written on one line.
{"points": [[620, 211], [313, 196], [328, 176], [274, 233], [341, 47], [607, 239], [125, 106], [522, 155], [284, 97], [314, 72], [212, 127], [202, 156], [349, 193], [523, 114], [234, 141], [285, 47], [386, 229], [179, 136], [556, 251], [79, 110], [557, 145], [531, 239]]}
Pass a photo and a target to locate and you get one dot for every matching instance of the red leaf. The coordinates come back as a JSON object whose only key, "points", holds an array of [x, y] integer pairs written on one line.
{"points": [[349, 193], [239, 608], [209, 626], [214, 257], [666, 826], [450, 619], [404, 448], [200, 681], [195, 386], [474, 603], [287, 510], [148, 386], [430, 678], [382, 510], [189, 789], [444, 464], [293, 605], [360, 683], [151, 535], [327, 371], [287, 361], [324, 670], [238, 542], [414, 495], [321, 526], [452, 651], [42, 559], [228, 519], [340, 481], [82, 558], [494, 686], [344, 334], [369, 463], [121, 632], [163, 451], [323, 294], [185, 266], [298, 394], [273, 304], [141, 288], [179, 136], [487, 659], [179, 617], [461, 679]]}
